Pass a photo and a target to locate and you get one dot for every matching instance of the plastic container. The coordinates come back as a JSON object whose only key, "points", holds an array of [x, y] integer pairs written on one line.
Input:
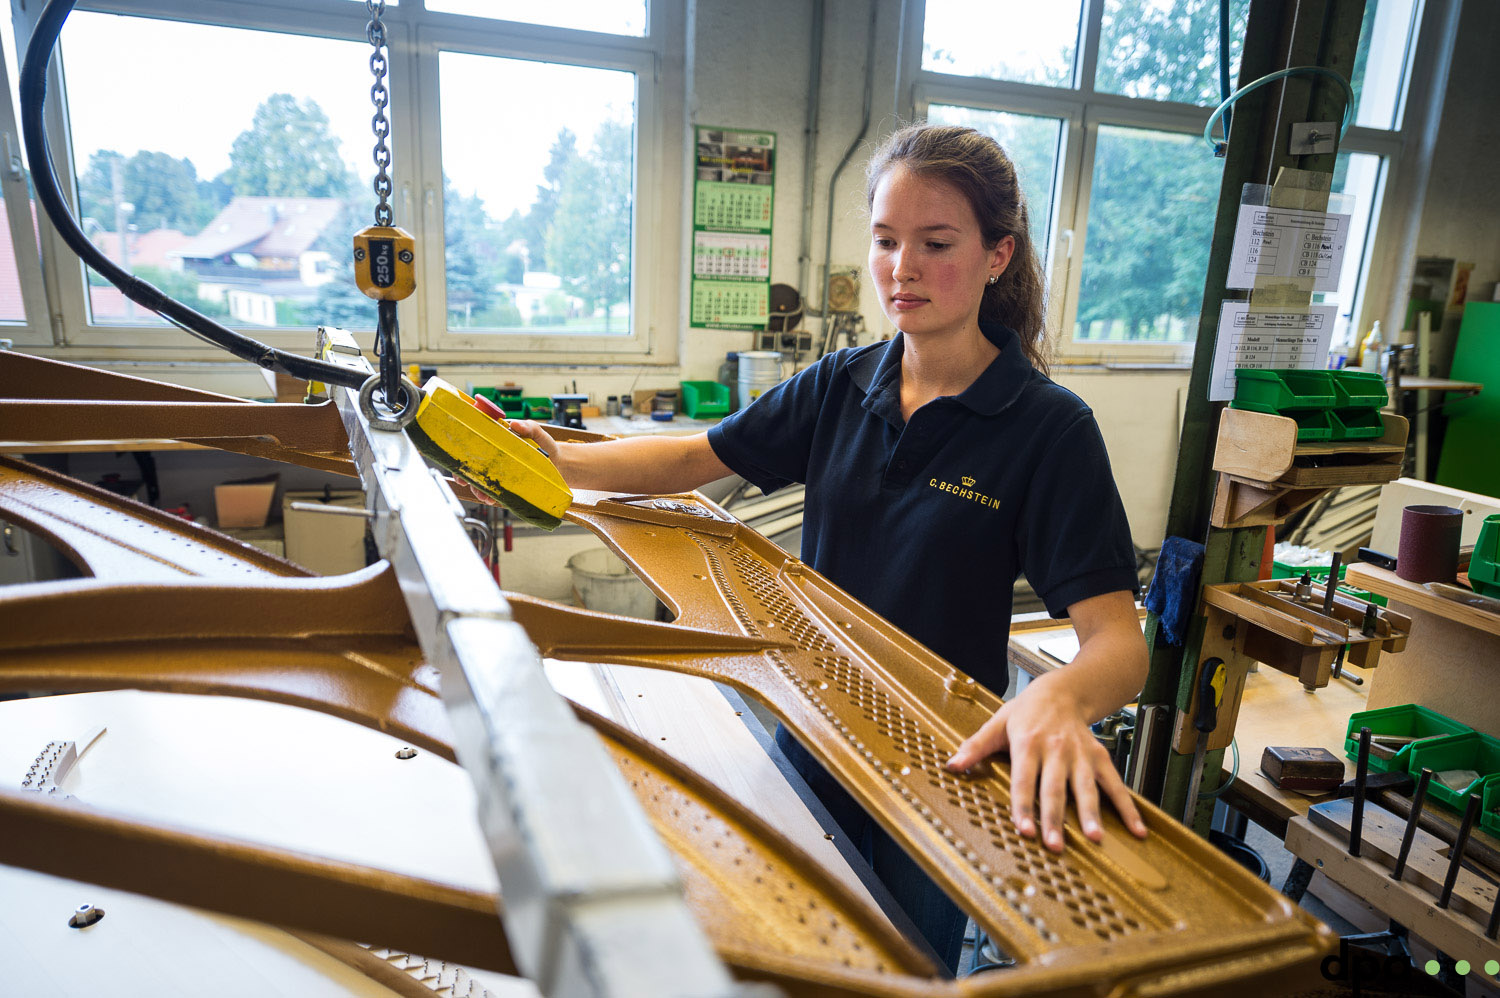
{"points": [[1363, 389], [1282, 389], [704, 399], [1405, 719], [1319, 573], [1472, 750], [759, 370], [1357, 424], [1484, 567], [603, 582], [1488, 802], [536, 407]]}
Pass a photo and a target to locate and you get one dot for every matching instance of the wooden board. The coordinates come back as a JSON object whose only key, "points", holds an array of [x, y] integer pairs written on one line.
{"points": [[1426, 864], [1388, 583], [1369, 878]]}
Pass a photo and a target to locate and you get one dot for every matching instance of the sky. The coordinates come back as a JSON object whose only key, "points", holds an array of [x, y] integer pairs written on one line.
{"points": [[188, 90]]}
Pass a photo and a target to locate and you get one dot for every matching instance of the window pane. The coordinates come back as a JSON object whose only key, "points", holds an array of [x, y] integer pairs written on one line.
{"points": [[537, 215], [1379, 75], [247, 214], [617, 17], [1358, 175], [11, 307], [1032, 144], [1167, 49], [1020, 40], [1151, 222]]}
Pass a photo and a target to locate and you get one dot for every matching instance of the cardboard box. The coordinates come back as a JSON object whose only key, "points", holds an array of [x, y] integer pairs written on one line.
{"points": [[245, 503], [326, 543]]}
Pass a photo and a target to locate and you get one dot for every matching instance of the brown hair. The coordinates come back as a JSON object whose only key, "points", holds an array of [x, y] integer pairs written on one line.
{"points": [[978, 168]]}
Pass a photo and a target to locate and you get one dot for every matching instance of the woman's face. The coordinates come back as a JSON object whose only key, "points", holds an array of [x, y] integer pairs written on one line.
{"points": [[927, 258]]}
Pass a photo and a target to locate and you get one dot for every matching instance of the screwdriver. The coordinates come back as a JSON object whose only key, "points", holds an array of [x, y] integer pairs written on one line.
{"points": [[1210, 694]]}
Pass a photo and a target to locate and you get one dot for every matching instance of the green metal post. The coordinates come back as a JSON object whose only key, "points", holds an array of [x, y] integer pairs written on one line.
{"points": [[1279, 34]]}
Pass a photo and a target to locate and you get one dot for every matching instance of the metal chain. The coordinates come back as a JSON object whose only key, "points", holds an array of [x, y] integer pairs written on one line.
{"points": [[380, 97]]}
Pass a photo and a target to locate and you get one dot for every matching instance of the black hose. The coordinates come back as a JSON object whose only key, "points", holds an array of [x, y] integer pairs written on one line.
{"points": [[1224, 90], [143, 293]]}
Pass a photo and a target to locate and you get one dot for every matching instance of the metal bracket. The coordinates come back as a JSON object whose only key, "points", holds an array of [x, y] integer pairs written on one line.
{"points": [[1313, 138]]}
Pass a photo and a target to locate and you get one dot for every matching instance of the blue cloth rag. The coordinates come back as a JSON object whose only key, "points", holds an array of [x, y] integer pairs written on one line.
{"points": [[1173, 595]]}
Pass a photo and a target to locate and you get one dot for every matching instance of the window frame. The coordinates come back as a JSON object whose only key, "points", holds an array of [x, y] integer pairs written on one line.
{"points": [[638, 59], [35, 329], [412, 37], [1084, 110]]}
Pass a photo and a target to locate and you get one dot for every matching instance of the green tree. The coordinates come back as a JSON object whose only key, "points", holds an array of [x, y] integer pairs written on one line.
{"points": [[530, 227], [588, 243], [288, 151], [475, 260], [164, 191]]}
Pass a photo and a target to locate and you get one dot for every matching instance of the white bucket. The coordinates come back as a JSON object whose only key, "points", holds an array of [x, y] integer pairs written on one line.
{"points": [[601, 581], [759, 370]]}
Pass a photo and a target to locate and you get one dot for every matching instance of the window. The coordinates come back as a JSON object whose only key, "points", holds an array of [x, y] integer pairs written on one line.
{"points": [[536, 216], [1101, 105], [517, 132], [240, 214]]}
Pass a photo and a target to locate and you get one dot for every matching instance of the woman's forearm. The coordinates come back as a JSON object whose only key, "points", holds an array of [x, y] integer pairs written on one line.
{"points": [[646, 464]]}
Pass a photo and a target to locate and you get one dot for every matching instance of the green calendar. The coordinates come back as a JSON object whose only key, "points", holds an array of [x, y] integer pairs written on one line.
{"points": [[733, 196]]}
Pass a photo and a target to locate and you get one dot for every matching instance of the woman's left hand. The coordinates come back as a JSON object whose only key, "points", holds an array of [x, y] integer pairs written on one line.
{"points": [[1052, 748]]}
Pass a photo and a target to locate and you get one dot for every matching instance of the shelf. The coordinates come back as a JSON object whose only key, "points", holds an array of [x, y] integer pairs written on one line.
{"points": [[1265, 475], [1415, 595]]}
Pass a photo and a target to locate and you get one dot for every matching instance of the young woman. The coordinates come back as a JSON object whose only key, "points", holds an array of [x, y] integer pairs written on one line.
{"points": [[939, 466]]}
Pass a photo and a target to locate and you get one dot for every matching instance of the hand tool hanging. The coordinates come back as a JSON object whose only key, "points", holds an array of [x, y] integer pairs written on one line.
{"points": [[384, 255], [33, 86]]}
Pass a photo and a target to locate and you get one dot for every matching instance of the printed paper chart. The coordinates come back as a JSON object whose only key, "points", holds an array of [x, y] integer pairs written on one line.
{"points": [[1295, 339]]}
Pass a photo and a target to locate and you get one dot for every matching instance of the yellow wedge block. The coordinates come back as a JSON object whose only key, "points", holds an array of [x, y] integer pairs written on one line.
{"points": [[451, 432]]}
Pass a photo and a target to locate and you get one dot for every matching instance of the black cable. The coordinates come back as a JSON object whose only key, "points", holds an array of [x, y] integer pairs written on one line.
{"points": [[143, 293], [1224, 61]]}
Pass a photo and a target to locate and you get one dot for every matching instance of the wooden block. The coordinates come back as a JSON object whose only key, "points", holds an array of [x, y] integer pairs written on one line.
{"points": [[1302, 768], [1255, 445]]}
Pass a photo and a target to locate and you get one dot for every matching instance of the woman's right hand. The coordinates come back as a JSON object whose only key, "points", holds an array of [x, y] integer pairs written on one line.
{"points": [[532, 430]]}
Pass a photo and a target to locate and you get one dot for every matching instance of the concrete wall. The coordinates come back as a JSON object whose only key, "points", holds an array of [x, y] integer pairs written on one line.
{"points": [[1461, 216]]}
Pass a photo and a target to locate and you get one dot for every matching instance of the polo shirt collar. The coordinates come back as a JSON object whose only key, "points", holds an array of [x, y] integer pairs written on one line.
{"points": [[878, 374]]}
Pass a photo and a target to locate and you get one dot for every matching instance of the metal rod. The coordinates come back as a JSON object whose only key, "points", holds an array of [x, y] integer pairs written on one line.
{"points": [[1409, 836], [1456, 855], [1361, 774], [1333, 583]]}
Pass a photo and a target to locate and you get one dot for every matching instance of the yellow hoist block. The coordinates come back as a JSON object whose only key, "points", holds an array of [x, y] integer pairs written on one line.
{"points": [[451, 432], [385, 262]]}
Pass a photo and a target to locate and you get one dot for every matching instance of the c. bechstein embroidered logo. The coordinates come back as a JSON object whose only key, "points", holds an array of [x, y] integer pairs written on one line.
{"points": [[964, 490]]}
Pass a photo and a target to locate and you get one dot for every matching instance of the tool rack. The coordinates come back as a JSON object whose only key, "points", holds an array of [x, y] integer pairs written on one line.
{"points": [[1265, 474]]}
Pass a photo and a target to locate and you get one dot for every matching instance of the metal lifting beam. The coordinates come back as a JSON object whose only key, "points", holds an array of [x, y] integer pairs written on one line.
{"points": [[593, 905]]}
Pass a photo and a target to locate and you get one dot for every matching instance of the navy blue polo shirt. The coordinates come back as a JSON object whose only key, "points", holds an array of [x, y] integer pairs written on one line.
{"points": [[930, 521]]}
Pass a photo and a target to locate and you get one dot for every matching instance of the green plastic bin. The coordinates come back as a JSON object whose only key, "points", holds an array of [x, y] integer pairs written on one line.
{"points": [[1282, 389], [1484, 567], [536, 407], [1480, 753], [1357, 424], [1405, 719], [1488, 802], [1319, 573], [1312, 424], [1359, 389], [705, 399], [508, 399]]}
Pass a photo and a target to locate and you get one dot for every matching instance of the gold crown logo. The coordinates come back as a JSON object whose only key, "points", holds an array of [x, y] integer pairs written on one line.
{"points": [[968, 482]]}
